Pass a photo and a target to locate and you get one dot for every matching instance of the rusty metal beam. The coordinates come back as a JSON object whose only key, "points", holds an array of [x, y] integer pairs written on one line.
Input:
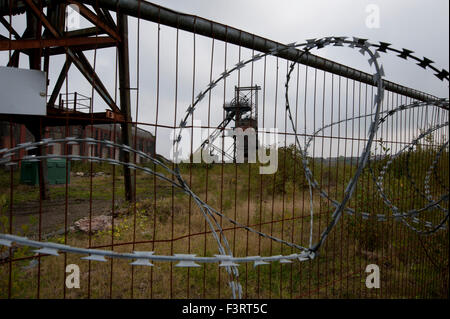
{"points": [[82, 63], [57, 117], [18, 37], [87, 47], [125, 101], [15, 56], [37, 131], [59, 42], [89, 15], [41, 16], [8, 26], [34, 26], [86, 32], [59, 82], [14, 60], [108, 17]]}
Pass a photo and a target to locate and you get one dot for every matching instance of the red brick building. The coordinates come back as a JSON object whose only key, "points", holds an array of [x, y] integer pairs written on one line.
{"points": [[142, 141]]}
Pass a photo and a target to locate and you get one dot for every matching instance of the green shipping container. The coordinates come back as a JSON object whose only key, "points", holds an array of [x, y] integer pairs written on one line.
{"points": [[56, 170]]}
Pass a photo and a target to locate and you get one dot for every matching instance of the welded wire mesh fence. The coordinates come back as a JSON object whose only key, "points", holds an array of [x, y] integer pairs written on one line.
{"points": [[360, 177]]}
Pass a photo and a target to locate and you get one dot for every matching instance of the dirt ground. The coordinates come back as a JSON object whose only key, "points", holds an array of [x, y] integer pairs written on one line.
{"points": [[53, 214]]}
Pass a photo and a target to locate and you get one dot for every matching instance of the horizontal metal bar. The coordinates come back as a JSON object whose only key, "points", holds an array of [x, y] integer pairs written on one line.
{"points": [[95, 20], [151, 12], [62, 50], [60, 42], [86, 32]]}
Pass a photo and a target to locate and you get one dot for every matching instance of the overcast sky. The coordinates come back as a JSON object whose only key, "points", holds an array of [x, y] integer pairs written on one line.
{"points": [[418, 25], [421, 26]]}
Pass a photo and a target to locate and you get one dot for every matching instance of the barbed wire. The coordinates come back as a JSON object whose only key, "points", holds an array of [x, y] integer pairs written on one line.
{"points": [[364, 157], [226, 258]]}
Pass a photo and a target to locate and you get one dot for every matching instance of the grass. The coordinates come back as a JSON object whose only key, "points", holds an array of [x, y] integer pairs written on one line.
{"points": [[411, 266]]}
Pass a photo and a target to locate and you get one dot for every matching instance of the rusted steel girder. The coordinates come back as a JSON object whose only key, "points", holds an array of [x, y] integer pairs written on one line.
{"points": [[125, 100], [61, 50], [59, 42], [34, 28], [85, 12], [9, 27], [59, 82]]}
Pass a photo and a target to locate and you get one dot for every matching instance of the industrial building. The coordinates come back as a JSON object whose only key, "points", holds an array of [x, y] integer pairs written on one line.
{"points": [[145, 141]]}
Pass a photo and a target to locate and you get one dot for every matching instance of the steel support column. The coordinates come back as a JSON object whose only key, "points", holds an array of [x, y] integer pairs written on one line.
{"points": [[35, 28], [125, 101]]}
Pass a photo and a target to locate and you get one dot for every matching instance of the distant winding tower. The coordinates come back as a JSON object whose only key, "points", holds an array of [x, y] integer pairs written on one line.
{"points": [[244, 110]]}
